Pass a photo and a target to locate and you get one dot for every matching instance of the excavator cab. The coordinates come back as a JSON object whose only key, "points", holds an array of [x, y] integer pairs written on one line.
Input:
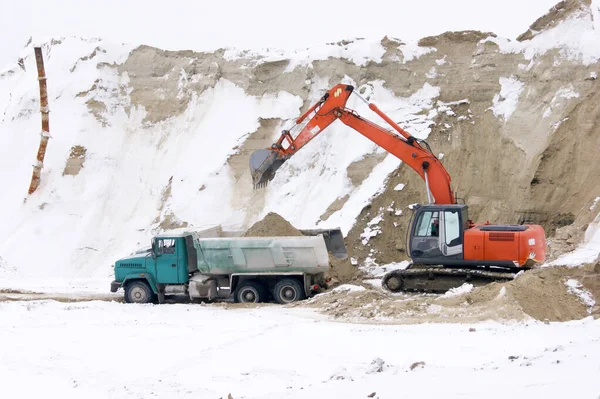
{"points": [[437, 234]]}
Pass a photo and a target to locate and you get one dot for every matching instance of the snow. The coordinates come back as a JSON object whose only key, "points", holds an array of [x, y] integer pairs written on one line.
{"points": [[412, 51], [399, 187], [593, 206], [375, 270], [372, 229], [505, 102], [587, 252], [432, 74], [564, 93], [577, 38], [104, 349], [458, 291], [359, 51], [348, 288], [593, 75], [502, 293], [376, 220], [576, 288]]}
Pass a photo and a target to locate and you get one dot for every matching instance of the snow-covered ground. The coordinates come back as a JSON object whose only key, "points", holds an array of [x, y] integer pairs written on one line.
{"points": [[103, 349]]}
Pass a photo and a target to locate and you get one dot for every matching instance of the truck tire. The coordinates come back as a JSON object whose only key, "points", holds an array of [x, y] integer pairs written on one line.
{"points": [[250, 292], [138, 292], [288, 291]]}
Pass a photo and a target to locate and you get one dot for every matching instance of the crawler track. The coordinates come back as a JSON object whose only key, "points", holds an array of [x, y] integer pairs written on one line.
{"points": [[439, 279]]}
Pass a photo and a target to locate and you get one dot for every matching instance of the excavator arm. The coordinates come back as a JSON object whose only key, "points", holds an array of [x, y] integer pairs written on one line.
{"points": [[332, 106]]}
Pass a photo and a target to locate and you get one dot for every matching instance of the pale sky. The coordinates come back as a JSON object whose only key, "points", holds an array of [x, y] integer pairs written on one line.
{"points": [[207, 25]]}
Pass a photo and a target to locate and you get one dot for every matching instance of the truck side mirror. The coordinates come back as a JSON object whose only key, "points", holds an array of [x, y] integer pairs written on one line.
{"points": [[153, 249]]}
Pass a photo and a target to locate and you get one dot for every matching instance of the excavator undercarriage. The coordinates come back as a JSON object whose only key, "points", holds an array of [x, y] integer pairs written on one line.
{"points": [[438, 279]]}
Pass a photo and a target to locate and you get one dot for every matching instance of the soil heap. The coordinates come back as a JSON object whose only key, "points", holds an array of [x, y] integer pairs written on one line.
{"points": [[543, 294], [273, 224]]}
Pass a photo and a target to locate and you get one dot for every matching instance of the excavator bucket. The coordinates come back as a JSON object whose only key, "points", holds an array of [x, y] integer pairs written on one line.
{"points": [[263, 164], [334, 241]]}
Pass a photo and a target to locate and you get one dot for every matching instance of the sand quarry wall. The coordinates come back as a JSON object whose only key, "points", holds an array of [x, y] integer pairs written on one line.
{"points": [[540, 163]]}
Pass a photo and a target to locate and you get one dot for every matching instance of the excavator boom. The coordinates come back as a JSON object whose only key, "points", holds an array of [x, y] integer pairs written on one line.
{"points": [[331, 107]]}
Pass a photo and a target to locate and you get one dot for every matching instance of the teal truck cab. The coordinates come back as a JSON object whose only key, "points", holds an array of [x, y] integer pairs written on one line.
{"points": [[248, 269]]}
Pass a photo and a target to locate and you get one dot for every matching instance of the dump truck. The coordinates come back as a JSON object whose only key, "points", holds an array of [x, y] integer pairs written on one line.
{"points": [[214, 264]]}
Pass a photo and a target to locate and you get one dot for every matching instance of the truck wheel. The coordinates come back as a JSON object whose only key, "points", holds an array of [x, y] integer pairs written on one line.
{"points": [[250, 292], [138, 292], [288, 291]]}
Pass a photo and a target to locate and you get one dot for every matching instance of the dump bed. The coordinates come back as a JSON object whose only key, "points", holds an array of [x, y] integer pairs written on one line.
{"points": [[226, 255]]}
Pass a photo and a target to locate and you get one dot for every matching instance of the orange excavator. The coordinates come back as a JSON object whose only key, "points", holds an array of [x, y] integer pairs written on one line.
{"points": [[447, 249]]}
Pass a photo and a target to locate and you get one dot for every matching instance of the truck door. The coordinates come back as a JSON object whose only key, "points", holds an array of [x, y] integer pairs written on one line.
{"points": [[166, 261]]}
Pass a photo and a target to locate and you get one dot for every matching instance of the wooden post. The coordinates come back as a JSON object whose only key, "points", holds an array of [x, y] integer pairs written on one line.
{"points": [[45, 133]]}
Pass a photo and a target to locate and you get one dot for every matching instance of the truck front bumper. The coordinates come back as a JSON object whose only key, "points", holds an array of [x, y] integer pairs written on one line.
{"points": [[115, 285]]}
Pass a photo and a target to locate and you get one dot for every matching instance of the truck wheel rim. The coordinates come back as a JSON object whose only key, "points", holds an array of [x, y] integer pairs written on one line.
{"points": [[249, 295], [288, 293], [139, 295]]}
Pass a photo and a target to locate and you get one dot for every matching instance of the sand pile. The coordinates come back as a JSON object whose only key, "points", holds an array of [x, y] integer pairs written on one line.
{"points": [[272, 225], [343, 271], [541, 294]]}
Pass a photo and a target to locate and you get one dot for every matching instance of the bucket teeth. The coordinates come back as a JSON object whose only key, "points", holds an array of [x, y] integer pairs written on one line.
{"points": [[261, 184]]}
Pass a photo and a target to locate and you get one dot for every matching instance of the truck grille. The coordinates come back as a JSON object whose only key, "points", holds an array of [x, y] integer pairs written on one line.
{"points": [[131, 265]]}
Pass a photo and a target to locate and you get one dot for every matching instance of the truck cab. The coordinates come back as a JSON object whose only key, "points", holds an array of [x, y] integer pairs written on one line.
{"points": [[165, 263]]}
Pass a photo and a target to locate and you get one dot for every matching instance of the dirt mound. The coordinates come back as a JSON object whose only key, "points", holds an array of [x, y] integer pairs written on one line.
{"points": [[543, 294], [272, 225], [343, 271], [469, 36]]}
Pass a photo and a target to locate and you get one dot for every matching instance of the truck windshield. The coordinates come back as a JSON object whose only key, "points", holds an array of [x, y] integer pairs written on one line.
{"points": [[166, 246]]}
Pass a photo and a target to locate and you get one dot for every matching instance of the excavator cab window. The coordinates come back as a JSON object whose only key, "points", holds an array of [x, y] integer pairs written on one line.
{"points": [[428, 224], [452, 228]]}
